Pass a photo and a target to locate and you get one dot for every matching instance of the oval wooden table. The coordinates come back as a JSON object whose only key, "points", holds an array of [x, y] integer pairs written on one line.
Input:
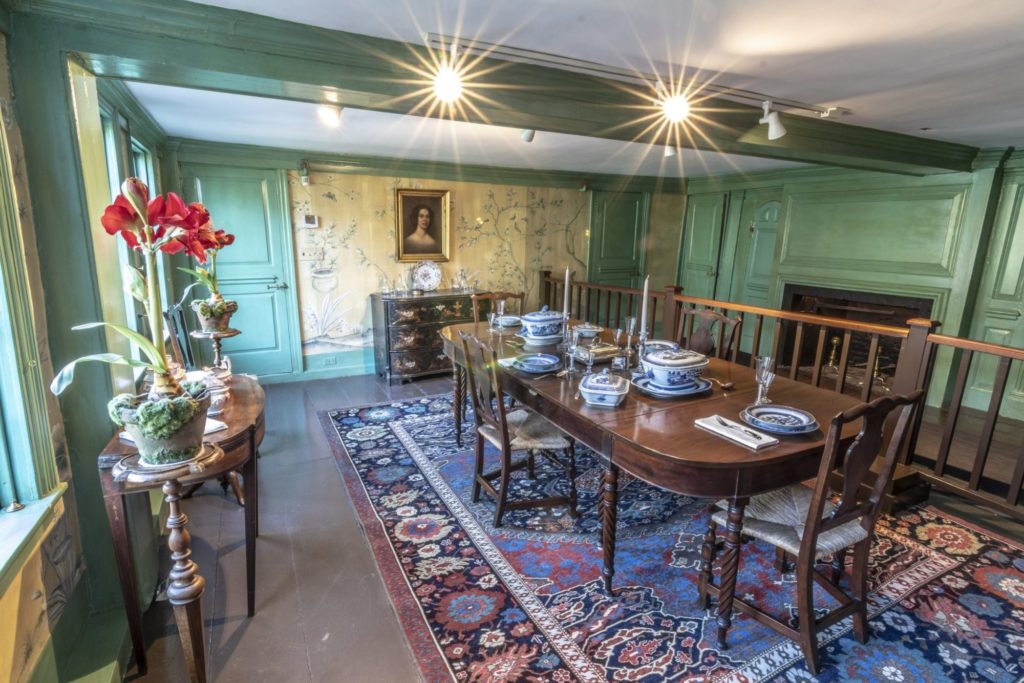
{"points": [[243, 415], [656, 440]]}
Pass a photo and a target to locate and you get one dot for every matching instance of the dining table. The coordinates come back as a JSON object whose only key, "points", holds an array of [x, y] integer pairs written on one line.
{"points": [[657, 441]]}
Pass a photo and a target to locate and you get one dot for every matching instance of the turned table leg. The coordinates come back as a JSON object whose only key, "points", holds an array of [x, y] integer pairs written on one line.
{"points": [[459, 399], [609, 518], [730, 567], [186, 586]]}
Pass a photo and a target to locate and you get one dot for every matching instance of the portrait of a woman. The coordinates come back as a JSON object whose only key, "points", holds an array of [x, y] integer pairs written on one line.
{"points": [[420, 241], [422, 230]]}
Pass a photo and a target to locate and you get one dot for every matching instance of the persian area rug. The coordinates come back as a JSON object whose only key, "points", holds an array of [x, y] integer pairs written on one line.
{"points": [[526, 602]]}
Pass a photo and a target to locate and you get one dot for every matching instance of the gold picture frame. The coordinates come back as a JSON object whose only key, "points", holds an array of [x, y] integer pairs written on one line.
{"points": [[413, 243]]}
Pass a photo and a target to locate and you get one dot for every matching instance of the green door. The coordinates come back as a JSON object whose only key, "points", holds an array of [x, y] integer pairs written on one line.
{"points": [[618, 226], [755, 255], [999, 312], [702, 242], [256, 271]]}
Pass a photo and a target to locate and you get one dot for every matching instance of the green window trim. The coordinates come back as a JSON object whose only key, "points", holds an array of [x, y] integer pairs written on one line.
{"points": [[23, 415], [21, 533]]}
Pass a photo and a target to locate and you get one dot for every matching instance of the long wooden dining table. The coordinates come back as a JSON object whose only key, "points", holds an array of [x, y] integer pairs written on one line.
{"points": [[656, 439]]}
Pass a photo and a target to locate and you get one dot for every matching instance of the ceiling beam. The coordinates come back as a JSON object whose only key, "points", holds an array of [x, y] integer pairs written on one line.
{"points": [[197, 46]]}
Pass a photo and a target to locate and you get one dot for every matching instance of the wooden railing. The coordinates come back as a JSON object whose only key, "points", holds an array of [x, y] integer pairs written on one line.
{"points": [[962, 459]]}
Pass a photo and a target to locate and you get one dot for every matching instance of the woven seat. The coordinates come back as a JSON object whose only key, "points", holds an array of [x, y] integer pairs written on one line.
{"points": [[528, 432], [519, 430], [806, 524], [779, 518]]}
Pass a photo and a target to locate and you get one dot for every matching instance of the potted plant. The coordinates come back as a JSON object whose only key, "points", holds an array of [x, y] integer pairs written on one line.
{"points": [[215, 312], [167, 423]]}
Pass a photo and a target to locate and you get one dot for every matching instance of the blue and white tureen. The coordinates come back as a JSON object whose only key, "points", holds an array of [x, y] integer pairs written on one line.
{"points": [[542, 323], [673, 369], [604, 389]]}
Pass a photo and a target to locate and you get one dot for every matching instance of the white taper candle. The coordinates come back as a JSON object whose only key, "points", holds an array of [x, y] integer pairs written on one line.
{"points": [[565, 295], [643, 306]]}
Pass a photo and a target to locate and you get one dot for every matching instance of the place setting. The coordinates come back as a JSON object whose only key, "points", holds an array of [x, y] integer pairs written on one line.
{"points": [[769, 420]]}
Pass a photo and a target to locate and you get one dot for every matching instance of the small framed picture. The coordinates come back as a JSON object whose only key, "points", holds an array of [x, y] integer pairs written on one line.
{"points": [[309, 220], [421, 233]]}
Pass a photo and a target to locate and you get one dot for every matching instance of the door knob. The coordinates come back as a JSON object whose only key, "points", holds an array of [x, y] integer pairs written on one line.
{"points": [[278, 285]]}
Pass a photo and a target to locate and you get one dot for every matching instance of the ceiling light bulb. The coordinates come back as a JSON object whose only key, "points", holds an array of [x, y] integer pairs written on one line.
{"points": [[447, 84], [676, 108], [329, 115]]}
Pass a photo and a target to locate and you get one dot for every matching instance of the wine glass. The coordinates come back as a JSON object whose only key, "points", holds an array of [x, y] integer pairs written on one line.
{"points": [[500, 303], [764, 375]]}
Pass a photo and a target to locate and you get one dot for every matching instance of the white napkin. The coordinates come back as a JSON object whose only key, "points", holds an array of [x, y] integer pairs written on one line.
{"points": [[736, 432], [211, 427], [506, 362]]}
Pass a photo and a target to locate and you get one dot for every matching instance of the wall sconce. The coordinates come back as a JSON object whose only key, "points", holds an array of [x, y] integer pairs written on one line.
{"points": [[775, 128], [304, 173]]}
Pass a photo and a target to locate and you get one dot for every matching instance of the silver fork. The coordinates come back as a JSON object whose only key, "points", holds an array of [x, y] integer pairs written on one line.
{"points": [[753, 435]]}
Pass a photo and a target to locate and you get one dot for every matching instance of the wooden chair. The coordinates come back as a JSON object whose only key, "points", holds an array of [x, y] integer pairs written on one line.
{"points": [[708, 332], [517, 430], [493, 297], [174, 316], [805, 523]]}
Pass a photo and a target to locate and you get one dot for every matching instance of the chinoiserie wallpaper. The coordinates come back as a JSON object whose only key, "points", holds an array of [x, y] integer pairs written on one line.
{"points": [[501, 236]]}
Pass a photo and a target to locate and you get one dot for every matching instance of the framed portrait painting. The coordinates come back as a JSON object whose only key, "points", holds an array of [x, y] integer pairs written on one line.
{"points": [[422, 230]]}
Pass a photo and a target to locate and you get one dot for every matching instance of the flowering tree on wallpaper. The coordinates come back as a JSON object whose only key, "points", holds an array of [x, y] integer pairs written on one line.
{"points": [[510, 220]]}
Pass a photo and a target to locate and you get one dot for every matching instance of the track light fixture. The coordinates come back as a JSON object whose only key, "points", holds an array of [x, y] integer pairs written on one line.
{"points": [[670, 152], [527, 134], [304, 173], [775, 128], [447, 80]]}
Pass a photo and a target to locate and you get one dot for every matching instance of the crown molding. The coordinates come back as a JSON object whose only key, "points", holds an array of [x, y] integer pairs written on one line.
{"points": [[254, 156], [199, 46]]}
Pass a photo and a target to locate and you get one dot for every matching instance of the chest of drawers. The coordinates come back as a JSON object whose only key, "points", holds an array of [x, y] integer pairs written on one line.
{"points": [[406, 344]]}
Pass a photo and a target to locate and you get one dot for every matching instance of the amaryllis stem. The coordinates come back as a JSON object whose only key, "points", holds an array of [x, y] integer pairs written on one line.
{"points": [[156, 311]]}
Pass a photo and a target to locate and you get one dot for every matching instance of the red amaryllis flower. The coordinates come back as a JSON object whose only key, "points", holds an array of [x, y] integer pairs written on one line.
{"points": [[121, 217], [225, 239], [136, 193]]}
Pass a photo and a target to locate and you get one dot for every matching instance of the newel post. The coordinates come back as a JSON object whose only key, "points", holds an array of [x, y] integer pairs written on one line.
{"points": [[668, 312], [545, 288], [912, 360]]}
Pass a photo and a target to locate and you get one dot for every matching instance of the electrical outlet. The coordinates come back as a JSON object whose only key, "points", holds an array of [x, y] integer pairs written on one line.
{"points": [[330, 361], [311, 254]]}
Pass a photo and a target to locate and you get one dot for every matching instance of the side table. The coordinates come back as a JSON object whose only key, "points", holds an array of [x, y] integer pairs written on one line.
{"points": [[240, 442]]}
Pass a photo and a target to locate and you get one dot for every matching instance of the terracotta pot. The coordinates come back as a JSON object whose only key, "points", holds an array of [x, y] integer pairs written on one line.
{"points": [[181, 446], [214, 323]]}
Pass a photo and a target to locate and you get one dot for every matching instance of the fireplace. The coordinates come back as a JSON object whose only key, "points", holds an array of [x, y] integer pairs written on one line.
{"points": [[869, 307]]}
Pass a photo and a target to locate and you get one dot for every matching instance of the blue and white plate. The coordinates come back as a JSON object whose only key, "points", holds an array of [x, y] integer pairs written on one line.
{"points": [[536, 362], [508, 321], [779, 419], [646, 386], [541, 341]]}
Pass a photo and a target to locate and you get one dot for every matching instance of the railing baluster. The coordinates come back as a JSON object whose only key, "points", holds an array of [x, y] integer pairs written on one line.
{"points": [[607, 309], [954, 413], [618, 311], [798, 343], [755, 344], [869, 369], [1017, 482], [985, 442], [777, 341], [819, 353], [844, 359]]}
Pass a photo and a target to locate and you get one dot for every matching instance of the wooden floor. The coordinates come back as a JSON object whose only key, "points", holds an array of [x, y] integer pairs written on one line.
{"points": [[322, 613]]}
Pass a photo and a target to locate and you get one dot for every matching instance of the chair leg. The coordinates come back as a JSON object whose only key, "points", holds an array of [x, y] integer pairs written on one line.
{"points": [[838, 562], [805, 608], [531, 470], [506, 475], [479, 468], [707, 556], [859, 590], [570, 452], [781, 560]]}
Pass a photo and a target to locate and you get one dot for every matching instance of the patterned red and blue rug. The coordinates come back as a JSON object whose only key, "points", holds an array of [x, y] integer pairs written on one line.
{"points": [[526, 603]]}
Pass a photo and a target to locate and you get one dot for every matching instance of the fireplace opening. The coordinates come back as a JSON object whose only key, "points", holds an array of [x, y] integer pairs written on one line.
{"points": [[868, 307]]}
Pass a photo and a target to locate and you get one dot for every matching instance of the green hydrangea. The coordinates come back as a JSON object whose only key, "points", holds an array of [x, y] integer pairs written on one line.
{"points": [[115, 405], [162, 419]]}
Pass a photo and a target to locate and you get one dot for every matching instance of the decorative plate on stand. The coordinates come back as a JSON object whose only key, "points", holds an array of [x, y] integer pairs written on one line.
{"points": [[426, 275]]}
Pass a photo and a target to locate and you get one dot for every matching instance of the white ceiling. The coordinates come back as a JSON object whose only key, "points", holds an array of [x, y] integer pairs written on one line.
{"points": [[949, 66], [953, 66], [224, 117]]}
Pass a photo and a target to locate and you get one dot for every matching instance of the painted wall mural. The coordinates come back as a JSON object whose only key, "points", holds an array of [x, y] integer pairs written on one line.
{"points": [[502, 236]]}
